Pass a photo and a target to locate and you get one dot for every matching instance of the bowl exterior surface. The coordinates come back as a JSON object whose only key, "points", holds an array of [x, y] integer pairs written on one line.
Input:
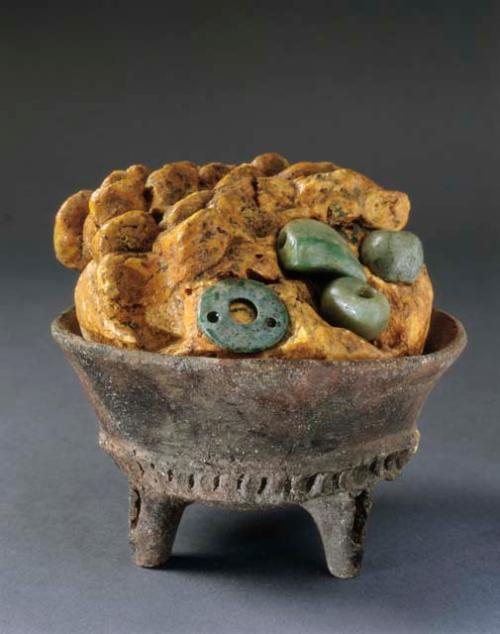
{"points": [[257, 432]]}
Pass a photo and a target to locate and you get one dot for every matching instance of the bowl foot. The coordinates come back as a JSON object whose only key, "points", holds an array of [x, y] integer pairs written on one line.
{"points": [[341, 521], [153, 525], [340, 518]]}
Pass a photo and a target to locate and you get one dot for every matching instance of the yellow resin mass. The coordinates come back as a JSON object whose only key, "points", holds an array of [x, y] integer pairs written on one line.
{"points": [[148, 243]]}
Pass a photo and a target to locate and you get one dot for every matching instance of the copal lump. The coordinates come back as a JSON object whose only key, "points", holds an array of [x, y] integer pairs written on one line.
{"points": [[265, 259]]}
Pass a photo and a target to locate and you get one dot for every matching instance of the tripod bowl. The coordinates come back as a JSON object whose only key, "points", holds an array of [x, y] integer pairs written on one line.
{"points": [[251, 433]]}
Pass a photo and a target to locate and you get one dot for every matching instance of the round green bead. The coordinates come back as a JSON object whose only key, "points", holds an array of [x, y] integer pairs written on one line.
{"points": [[309, 246], [394, 256], [267, 329], [355, 305]]}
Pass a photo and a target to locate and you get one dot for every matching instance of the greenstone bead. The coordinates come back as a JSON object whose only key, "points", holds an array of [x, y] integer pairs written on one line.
{"points": [[394, 256], [355, 305], [267, 329], [309, 246]]}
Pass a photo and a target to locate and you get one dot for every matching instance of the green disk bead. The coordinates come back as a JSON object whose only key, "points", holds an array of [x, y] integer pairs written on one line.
{"points": [[352, 304], [394, 256], [269, 326], [310, 246]]}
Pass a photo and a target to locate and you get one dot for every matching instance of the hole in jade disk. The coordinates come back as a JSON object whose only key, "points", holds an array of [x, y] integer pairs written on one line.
{"points": [[365, 292], [242, 311], [213, 317], [271, 322]]}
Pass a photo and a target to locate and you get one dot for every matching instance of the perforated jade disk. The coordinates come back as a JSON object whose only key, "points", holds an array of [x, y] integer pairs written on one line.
{"points": [[266, 314]]}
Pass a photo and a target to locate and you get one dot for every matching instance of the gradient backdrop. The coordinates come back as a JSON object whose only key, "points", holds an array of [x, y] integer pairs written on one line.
{"points": [[407, 93]]}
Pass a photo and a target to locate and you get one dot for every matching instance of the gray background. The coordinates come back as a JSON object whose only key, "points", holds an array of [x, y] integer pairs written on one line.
{"points": [[407, 95]]}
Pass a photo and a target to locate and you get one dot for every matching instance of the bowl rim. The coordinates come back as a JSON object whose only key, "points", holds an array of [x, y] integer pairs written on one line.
{"points": [[445, 355]]}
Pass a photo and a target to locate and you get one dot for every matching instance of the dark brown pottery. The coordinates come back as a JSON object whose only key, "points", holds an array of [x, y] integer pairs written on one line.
{"points": [[252, 433]]}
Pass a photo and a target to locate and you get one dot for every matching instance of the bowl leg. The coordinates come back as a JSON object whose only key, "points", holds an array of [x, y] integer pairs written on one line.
{"points": [[341, 521], [152, 527]]}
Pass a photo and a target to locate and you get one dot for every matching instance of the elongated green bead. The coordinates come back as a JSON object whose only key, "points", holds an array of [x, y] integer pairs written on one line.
{"points": [[394, 256], [355, 305], [310, 246]]}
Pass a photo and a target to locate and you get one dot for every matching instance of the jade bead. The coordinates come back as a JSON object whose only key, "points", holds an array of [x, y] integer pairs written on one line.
{"points": [[309, 246], [394, 256], [352, 304], [269, 323]]}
